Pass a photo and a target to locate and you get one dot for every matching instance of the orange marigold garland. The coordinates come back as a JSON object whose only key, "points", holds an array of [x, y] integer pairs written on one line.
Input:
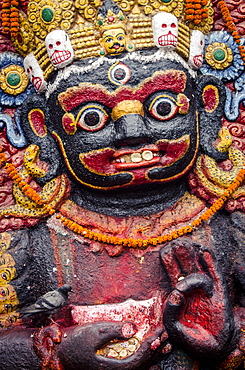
{"points": [[14, 18], [126, 242], [10, 17], [5, 16], [231, 26], [196, 11]]}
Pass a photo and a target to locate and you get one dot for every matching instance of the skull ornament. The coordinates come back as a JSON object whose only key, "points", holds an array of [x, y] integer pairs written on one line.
{"points": [[196, 49], [34, 73], [59, 48], [165, 30]]}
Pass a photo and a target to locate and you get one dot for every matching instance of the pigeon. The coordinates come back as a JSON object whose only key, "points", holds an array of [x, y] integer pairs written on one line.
{"points": [[49, 303]]}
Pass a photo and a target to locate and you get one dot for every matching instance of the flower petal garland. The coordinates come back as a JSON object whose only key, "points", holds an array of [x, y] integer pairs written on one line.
{"points": [[114, 240], [222, 57], [14, 84], [232, 27]]}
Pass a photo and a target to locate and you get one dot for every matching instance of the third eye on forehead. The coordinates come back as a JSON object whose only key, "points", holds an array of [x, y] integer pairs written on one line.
{"points": [[172, 81]]}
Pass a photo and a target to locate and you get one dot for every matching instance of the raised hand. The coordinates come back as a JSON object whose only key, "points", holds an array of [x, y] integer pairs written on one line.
{"points": [[197, 312]]}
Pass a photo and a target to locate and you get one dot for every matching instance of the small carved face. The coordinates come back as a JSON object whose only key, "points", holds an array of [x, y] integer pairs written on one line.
{"points": [[7, 293], [114, 41], [59, 48], [7, 274], [8, 299], [141, 132], [196, 49], [34, 73], [165, 30]]}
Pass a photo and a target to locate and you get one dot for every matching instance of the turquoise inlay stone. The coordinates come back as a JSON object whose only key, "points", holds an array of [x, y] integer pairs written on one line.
{"points": [[47, 14], [219, 55], [13, 79]]}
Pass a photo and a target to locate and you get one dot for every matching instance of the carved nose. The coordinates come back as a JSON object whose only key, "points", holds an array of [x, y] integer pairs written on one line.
{"points": [[131, 131], [128, 116]]}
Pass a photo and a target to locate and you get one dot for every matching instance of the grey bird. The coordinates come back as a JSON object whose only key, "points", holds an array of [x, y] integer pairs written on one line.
{"points": [[49, 303]]}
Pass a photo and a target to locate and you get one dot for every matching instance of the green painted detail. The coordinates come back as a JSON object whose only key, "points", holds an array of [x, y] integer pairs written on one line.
{"points": [[166, 1], [130, 46], [219, 55], [100, 22], [121, 17], [102, 52], [47, 14], [13, 79]]}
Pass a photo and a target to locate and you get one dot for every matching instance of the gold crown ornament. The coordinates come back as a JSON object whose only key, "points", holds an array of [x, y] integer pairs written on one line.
{"points": [[52, 33], [113, 30]]}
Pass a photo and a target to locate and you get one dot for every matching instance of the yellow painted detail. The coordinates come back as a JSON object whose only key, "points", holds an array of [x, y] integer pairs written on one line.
{"points": [[225, 140], [214, 178], [8, 297], [127, 107]]}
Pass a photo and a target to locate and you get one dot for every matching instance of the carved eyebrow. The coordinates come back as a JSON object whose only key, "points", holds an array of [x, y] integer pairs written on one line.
{"points": [[120, 33], [171, 80]]}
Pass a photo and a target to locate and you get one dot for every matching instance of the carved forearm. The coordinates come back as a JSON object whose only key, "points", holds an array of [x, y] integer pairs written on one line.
{"points": [[16, 350]]}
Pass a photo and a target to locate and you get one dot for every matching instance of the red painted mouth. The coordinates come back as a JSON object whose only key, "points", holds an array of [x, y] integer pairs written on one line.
{"points": [[60, 56], [116, 46], [163, 154], [37, 82], [168, 40], [198, 60]]}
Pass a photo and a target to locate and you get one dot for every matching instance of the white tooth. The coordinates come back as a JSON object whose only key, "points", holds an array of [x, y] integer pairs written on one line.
{"points": [[155, 155], [147, 155], [136, 157], [118, 160], [122, 160]]}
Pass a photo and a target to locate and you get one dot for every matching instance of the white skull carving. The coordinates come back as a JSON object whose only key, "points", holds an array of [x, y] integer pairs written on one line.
{"points": [[59, 48], [196, 49], [34, 73], [165, 30]]}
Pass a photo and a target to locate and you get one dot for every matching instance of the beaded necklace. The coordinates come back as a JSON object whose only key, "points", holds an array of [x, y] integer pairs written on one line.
{"points": [[126, 242]]}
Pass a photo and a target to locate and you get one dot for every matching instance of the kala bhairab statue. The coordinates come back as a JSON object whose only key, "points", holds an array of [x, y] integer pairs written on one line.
{"points": [[122, 177]]}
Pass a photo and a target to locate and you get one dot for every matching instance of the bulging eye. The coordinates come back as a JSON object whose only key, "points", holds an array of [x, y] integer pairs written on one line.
{"points": [[163, 108], [92, 118], [119, 73]]}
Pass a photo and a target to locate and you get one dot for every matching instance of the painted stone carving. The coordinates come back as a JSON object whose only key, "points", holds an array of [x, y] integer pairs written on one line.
{"points": [[34, 73], [59, 48], [113, 30], [124, 179], [196, 49], [165, 30]]}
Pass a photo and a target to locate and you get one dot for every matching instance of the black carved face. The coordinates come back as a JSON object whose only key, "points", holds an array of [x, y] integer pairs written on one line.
{"points": [[126, 124]]}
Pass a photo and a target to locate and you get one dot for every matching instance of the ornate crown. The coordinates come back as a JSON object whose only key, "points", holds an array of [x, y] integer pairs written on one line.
{"points": [[89, 26]]}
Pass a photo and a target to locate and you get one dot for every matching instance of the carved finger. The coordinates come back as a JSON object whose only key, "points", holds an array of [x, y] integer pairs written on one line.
{"points": [[176, 299], [170, 264], [96, 335], [196, 281], [210, 265], [186, 255], [172, 310]]}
